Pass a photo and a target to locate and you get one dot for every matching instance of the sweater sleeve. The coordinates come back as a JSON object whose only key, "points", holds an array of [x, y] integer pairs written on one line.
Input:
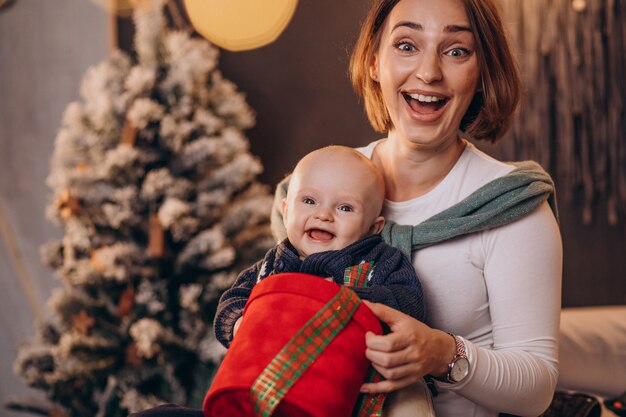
{"points": [[523, 266], [395, 284], [232, 302]]}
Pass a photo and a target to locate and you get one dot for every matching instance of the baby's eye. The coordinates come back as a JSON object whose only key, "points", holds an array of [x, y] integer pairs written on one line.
{"points": [[345, 208], [308, 200]]}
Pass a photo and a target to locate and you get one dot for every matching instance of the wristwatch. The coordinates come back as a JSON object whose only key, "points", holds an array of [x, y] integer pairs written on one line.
{"points": [[458, 369]]}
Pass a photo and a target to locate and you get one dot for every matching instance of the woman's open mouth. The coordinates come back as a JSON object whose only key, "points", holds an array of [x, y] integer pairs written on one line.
{"points": [[425, 104], [320, 235]]}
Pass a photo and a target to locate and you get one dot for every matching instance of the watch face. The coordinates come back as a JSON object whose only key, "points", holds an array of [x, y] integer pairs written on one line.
{"points": [[459, 370]]}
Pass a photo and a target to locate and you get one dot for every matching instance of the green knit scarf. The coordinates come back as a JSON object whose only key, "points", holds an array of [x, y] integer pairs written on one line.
{"points": [[501, 201]]}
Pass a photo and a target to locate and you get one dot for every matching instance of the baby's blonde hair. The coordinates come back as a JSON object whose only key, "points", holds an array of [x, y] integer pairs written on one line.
{"points": [[341, 150]]}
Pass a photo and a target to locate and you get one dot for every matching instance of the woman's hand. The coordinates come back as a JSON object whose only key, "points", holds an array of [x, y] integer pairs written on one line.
{"points": [[409, 352]]}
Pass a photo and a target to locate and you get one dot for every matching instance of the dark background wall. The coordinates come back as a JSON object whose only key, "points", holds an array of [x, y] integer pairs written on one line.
{"points": [[301, 92], [303, 98]]}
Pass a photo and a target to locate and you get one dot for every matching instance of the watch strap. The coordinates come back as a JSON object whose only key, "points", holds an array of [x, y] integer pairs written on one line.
{"points": [[460, 348], [460, 352]]}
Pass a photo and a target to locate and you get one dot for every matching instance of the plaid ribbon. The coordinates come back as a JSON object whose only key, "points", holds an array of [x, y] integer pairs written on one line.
{"points": [[300, 352], [369, 405], [356, 276]]}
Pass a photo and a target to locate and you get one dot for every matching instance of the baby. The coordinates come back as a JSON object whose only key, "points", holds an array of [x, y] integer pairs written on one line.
{"points": [[332, 214]]}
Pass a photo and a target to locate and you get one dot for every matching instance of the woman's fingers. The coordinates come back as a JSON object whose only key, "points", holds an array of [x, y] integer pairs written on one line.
{"points": [[409, 352], [388, 385], [391, 342], [388, 358], [387, 314], [400, 372], [399, 363]]}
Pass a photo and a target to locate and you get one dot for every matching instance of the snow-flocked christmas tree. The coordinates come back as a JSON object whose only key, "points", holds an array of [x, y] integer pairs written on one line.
{"points": [[156, 190]]}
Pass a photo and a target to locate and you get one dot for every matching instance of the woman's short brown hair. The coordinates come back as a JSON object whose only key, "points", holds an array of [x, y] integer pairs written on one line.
{"points": [[490, 112]]}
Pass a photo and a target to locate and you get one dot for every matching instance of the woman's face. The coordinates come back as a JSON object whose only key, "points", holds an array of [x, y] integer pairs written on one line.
{"points": [[427, 68]]}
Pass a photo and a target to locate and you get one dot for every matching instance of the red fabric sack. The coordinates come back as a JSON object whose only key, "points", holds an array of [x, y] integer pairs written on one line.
{"points": [[277, 308]]}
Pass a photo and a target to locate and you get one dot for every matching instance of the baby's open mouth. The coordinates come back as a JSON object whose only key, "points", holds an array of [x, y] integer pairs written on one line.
{"points": [[425, 104], [319, 234]]}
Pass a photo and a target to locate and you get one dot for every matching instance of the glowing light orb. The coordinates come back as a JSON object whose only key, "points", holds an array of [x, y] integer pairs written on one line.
{"points": [[239, 25]]}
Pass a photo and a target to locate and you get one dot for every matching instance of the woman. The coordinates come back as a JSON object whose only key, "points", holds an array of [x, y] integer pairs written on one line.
{"points": [[431, 73]]}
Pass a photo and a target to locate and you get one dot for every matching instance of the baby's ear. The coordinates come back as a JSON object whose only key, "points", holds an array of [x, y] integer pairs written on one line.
{"points": [[283, 209], [377, 226]]}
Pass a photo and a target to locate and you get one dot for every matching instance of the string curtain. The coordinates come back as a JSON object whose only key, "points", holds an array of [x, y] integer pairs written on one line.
{"points": [[571, 54]]}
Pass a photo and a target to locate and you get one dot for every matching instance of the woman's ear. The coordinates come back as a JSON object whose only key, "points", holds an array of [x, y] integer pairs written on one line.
{"points": [[377, 226], [374, 68]]}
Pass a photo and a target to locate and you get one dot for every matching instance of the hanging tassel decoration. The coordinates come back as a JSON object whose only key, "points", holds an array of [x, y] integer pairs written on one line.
{"points": [[83, 322], [67, 205], [126, 302], [129, 134], [156, 238]]}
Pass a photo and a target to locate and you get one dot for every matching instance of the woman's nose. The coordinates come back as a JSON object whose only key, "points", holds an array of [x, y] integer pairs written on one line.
{"points": [[429, 67]]}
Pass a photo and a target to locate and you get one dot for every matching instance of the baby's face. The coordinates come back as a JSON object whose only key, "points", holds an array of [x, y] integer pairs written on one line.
{"points": [[332, 201]]}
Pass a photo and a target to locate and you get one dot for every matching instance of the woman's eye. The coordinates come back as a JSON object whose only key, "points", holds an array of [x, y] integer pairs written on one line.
{"points": [[345, 208], [308, 200], [404, 47], [458, 52]]}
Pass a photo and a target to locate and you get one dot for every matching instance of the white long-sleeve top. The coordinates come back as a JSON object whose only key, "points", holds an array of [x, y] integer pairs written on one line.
{"points": [[500, 290]]}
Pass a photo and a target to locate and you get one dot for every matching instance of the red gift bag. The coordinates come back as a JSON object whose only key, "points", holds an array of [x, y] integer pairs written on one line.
{"points": [[278, 308]]}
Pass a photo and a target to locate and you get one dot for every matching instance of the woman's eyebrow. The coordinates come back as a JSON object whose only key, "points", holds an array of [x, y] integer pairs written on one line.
{"points": [[410, 25], [457, 28], [419, 27]]}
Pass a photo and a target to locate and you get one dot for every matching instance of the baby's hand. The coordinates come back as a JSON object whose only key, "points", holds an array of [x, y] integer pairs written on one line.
{"points": [[236, 326]]}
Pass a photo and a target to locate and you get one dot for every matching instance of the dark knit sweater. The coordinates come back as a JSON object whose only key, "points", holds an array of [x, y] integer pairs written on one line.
{"points": [[392, 281]]}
